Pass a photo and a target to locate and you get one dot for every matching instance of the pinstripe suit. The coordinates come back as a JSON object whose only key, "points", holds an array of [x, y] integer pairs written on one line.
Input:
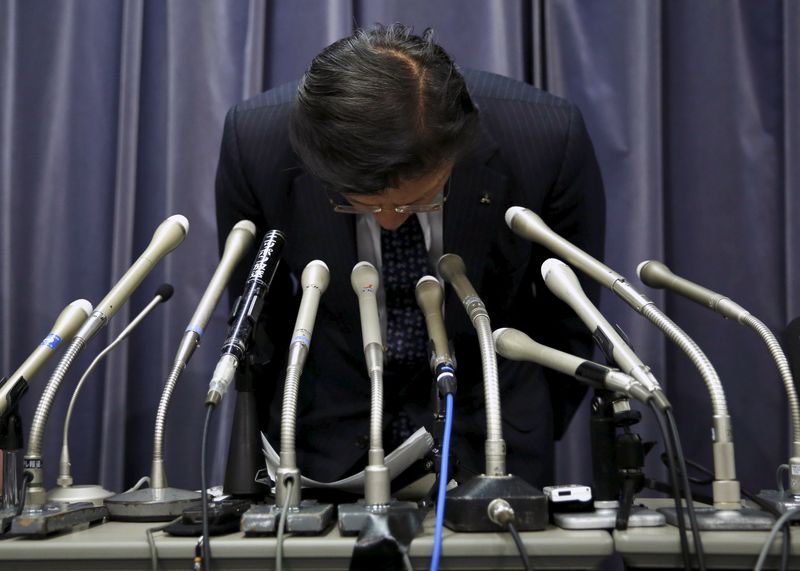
{"points": [[534, 151]]}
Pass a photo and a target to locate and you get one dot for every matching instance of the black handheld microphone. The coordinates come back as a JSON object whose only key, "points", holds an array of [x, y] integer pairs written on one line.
{"points": [[246, 314]]}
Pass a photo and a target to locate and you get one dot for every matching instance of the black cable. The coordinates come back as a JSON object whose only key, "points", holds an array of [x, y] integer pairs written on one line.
{"points": [[26, 479], [204, 491], [673, 477], [526, 562], [698, 544]]}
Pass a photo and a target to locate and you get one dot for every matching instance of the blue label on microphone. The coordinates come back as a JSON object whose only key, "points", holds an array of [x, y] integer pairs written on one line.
{"points": [[51, 341]]}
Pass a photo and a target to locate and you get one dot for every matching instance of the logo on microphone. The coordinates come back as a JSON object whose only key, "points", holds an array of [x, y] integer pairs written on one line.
{"points": [[51, 341], [369, 288]]}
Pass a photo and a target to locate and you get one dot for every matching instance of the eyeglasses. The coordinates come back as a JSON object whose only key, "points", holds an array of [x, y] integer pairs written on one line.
{"points": [[342, 205]]}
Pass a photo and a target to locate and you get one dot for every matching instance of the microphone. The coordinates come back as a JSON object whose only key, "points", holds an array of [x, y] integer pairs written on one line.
{"points": [[65, 327], [561, 280], [159, 502], [657, 275], [65, 491], [166, 238], [516, 345], [314, 281], [451, 268], [529, 225], [246, 314], [429, 299], [365, 281]]}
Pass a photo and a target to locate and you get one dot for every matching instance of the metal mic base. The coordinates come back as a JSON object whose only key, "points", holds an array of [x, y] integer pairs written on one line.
{"points": [[466, 507], [91, 493], [713, 519], [151, 504], [54, 518], [309, 518], [352, 517], [780, 501], [606, 518]]}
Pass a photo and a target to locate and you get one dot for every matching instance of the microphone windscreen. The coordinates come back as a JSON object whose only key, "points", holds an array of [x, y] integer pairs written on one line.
{"points": [[165, 291]]}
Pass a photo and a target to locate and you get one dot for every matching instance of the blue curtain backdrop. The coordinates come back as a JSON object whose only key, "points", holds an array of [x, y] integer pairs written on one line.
{"points": [[110, 120]]}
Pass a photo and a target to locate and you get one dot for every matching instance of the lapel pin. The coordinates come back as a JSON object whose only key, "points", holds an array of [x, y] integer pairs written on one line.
{"points": [[486, 198]]}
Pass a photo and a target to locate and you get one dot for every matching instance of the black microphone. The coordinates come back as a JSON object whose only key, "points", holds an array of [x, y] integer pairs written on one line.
{"points": [[245, 314]]}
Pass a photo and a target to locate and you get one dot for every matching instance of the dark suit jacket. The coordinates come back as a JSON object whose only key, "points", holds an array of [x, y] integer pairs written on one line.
{"points": [[534, 151]]}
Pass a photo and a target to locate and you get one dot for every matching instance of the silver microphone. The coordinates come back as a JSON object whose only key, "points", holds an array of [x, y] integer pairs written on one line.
{"points": [[561, 280], [166, 238], [657, 275], [530, 226], [451, 268], [314, 281], [365, 281], [516, 345], [66, 325], [429, 299]]}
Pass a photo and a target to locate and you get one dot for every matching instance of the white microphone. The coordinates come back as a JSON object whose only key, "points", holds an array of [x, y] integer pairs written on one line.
{"points": [[314, 281], [166, 238], [657, 275], [65, 327], [561, 280], [516, 345]]}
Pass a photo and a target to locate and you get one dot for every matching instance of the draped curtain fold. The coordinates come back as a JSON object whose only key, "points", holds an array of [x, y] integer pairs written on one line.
{"points": [[110, 121]]}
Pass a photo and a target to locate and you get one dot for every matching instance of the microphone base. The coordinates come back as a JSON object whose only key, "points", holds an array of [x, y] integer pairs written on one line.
{"points": [[466, 507], [309, 518], [606, 518], [91, 493], [352, 517], [53, 518], [782, 502], [713, 519], [151, 504]]}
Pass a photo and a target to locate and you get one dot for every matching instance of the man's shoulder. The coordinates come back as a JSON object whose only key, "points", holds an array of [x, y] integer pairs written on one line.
{"points": [[487, 86], [278, 98]]}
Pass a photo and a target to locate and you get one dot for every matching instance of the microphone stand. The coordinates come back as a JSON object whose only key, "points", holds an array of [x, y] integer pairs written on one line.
{"points": [[617, 461], [377, 499], [471, 506]]}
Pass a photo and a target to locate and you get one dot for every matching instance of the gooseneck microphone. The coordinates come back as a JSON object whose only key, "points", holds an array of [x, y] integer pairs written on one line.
{"points": [[65, 491], [365, 282], [564, 284], [314, 281], [67, 324], [516, 345], [451, 268], [246, 314], [657, 275], [530, 226], [160, 502], [429, 299], [166, 238]]}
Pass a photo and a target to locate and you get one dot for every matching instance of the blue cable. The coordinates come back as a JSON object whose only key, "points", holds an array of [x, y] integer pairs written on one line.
{"points": [[437, 538]]}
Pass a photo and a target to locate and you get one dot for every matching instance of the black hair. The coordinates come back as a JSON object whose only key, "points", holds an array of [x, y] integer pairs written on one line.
{"points": [[381, 106]]}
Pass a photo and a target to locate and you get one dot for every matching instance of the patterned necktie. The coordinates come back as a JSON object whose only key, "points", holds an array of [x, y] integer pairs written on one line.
{"points": [[404, 260]]}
